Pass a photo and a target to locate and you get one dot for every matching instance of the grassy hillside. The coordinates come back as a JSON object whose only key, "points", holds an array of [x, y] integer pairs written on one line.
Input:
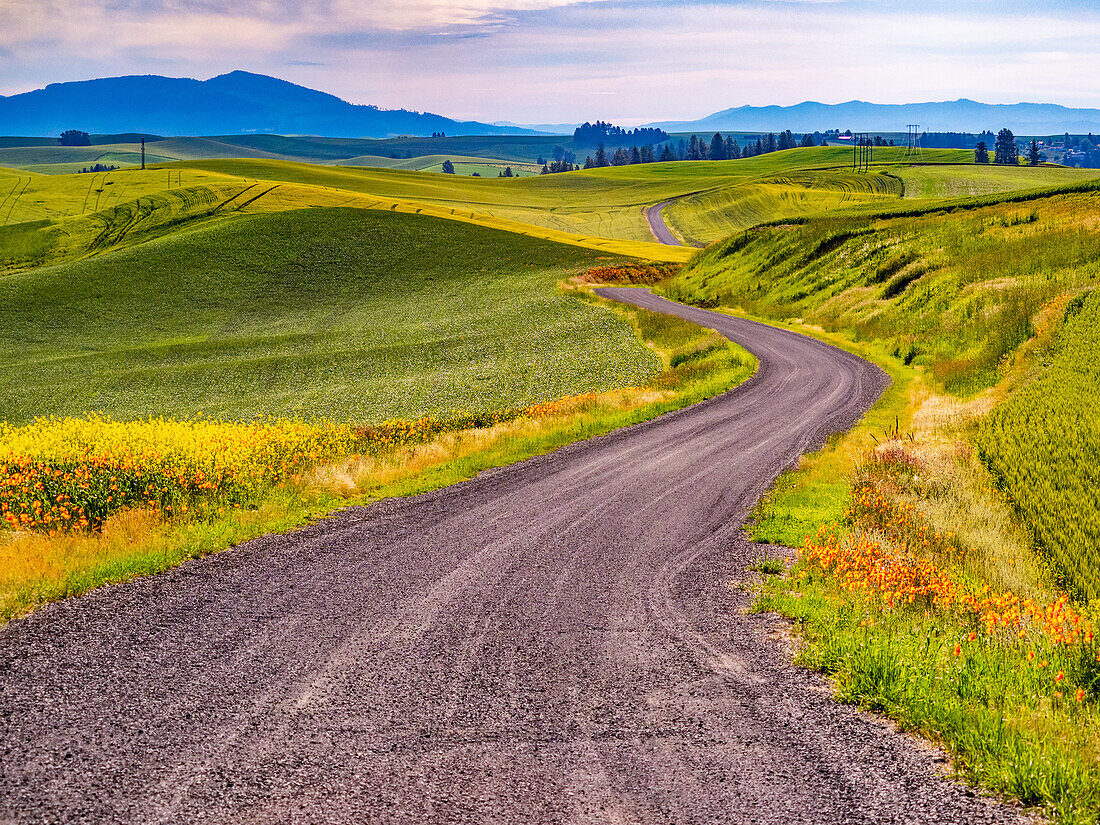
{"points": [[66, 216], [931, 181], [51, 219], [463, 164], [351, 314], [954, 289], [45, 153]]}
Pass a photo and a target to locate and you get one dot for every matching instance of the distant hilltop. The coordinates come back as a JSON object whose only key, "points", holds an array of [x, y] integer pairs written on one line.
{"points": [[952, 116], [234, 103]]}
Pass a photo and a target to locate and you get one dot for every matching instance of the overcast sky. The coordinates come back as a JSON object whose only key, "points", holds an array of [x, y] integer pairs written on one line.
{"points": [[551, 61]]}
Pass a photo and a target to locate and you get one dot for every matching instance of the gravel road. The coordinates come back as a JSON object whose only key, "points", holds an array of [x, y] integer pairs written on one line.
{"points": [[562, 640], [655, 215]]}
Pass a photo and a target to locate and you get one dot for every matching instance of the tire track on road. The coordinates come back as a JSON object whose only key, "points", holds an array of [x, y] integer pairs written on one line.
{"points": [[553, 641]]}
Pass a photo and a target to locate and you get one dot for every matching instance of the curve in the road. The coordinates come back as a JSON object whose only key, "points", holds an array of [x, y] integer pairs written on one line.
{"points": [[655, 216], [557, 641]]}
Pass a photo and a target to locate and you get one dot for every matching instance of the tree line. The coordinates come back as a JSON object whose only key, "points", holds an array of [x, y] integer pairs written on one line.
{"points": [[591, 134], [1006, 152], [719, 147]]}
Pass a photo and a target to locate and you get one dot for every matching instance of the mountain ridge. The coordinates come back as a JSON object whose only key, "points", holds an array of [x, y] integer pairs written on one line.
{"points": [[962, 115], [236, 102]]}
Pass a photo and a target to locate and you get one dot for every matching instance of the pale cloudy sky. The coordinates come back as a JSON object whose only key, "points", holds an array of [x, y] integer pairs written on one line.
{"points": [[550, 61]]}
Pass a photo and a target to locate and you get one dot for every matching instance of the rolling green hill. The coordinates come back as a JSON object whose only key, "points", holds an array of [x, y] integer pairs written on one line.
{"points": [[48, 219], [950, 286], [350, 314]]}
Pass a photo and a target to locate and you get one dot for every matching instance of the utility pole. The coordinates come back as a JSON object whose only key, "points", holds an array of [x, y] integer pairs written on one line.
{"points": [[912, 151], [143, 153], [862, 152]]}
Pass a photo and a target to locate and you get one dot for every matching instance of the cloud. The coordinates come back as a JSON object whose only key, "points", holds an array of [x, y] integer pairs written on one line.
{"points": [[575, 60]]}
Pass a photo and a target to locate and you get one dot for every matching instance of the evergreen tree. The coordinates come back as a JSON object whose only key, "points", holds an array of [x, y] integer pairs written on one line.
{"points": [[681, 150], [807, 141], [731, 150], [758, 149], [1004, 150], [448, 168], [770, 144], [647, 154], [589, 163], [786, 140], [981, 152], [1033, 155], [666, 154], [717, 148], [601, 156], [635, 155], [620, 158]]}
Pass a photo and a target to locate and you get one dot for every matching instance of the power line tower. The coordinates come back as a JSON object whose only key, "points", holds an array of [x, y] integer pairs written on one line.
{"points": [[143, 153], [913, 151], [863, 152]]}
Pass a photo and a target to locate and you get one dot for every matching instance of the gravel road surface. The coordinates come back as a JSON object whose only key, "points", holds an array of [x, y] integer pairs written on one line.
{"points": [[562, 640], [655, 215]]}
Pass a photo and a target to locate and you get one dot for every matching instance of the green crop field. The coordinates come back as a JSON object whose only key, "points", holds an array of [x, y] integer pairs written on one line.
{"points": [[464, 165], [962, 181], [1043, 445], [344, 313]]}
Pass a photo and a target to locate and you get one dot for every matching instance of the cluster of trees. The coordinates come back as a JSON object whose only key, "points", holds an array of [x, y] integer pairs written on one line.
{"points": [[74, 137], [439, 134], [718, 147], [1006, 152], [448, 167], [591, 134], [97, 167], [956, 140]]}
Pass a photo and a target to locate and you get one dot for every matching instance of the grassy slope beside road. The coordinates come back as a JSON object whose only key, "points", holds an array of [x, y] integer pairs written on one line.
{"points": [[987, 659], [953, 290]]}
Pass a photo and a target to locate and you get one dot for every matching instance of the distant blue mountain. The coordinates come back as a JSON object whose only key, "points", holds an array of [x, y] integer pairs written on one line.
{"points": [[953, 116], [234, 103]]}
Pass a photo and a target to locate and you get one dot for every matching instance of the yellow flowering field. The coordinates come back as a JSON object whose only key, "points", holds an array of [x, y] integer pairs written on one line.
{"points": [[58, 474]]}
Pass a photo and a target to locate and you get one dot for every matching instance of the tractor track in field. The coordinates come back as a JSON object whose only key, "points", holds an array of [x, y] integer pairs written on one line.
{"points": [[560, 640]]}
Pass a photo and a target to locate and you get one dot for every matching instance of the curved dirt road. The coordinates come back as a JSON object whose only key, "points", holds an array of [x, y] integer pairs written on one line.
{"points": [[555, 641], [655, 215]]}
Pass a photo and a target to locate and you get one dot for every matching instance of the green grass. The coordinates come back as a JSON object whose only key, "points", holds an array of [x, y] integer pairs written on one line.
{"points": [[602, 208], [464, 165], [989, 705], [1043, 446], [951, 287], [94, 212], [924, 182], [349, 314]]}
